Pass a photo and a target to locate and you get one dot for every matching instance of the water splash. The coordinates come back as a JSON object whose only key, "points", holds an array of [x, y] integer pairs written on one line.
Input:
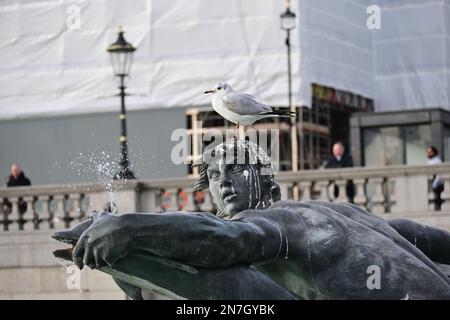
{"points": [[99, 166], [94, 166]]}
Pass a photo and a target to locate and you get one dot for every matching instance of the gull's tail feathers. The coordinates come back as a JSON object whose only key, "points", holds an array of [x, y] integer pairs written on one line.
{"points": [[280, 113]]}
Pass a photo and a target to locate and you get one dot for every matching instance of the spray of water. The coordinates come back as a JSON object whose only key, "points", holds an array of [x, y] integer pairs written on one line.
{"points": [[100, 167]]}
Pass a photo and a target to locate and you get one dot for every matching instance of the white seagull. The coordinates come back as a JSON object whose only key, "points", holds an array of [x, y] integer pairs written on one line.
{"points": [[241, 108]]}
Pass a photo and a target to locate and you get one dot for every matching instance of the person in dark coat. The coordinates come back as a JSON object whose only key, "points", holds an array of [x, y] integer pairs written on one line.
{"points": [[16, 179], [341, 159]]}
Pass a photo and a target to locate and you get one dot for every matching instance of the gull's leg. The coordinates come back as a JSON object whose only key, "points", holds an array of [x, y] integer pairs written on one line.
{"points": [[236, 137], [241, 132]]}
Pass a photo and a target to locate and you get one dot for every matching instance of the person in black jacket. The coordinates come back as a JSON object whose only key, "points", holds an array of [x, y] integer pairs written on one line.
{"points": [[16, 179], [341, 159]]}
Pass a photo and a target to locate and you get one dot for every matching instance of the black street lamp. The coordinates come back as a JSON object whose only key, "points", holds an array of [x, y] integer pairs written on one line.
{"points": [[287, 20], [288, 23], [121, 54]]}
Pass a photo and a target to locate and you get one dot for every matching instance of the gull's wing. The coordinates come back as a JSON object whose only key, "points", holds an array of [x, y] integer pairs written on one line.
{"points": [[244, 104]]}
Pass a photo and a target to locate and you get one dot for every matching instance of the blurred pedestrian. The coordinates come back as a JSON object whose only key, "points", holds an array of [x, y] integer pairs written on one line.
{"points": [[437, 183], [17, 178], [341, 159]]}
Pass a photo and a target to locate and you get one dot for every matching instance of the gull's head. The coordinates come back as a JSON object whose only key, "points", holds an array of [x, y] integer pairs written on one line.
{"points": [[221, 87]]}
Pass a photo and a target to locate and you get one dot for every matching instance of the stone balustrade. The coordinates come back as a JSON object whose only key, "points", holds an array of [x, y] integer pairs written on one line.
{"points": [[28, 270], [382, 190], [399, 190]]}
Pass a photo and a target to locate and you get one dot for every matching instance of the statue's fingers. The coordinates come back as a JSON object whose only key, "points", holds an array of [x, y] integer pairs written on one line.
{"points": [[108, 259], [96, 259], [78, 252], [89, 257], [99, 261]]}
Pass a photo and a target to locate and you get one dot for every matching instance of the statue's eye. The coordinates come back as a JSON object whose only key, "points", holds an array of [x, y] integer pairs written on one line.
{"points": [[214, 175], [237, 168]]}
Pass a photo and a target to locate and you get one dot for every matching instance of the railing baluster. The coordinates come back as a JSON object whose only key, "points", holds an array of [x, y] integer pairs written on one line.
{"points": [[59, 212], [168, 200], [4, 216], [295, 191], [14, 218], [378, 200], [27, 217], [284, 189], [342, 194], [391, 199], [73, 215], [445, 195], [360, 192], [323, 187], [82, 212], [45, 216], [198, 200], [305, 189]]}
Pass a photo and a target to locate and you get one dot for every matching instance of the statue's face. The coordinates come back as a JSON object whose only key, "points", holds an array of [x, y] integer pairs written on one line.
{"points": [[231, 186]]}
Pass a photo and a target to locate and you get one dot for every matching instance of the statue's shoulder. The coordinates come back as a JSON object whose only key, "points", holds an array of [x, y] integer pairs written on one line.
{"points": [[326, 232], [323, 206], [287, 204], [281, 207]]}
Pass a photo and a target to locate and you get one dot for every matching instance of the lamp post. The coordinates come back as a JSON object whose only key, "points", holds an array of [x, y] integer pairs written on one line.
{"points": [[287, 20], [121, 55]]}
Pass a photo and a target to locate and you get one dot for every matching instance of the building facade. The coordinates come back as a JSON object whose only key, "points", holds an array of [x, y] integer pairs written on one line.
{"points": [[58, 106]]}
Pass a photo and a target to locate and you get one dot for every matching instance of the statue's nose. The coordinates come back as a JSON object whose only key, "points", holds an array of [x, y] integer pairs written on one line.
{"points": [[225, 179], [225, 183]]}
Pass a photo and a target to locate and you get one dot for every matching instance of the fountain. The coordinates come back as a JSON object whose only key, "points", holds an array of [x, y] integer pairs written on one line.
{"points": [[260, 247]]}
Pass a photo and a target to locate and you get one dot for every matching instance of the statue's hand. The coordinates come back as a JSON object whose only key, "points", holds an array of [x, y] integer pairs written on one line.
{"points": [[106, 241]]}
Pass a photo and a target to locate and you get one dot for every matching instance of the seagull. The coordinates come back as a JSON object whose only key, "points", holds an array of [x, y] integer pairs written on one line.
{"points": [[241, 108]]}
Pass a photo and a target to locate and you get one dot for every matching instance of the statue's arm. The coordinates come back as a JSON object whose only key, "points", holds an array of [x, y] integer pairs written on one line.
{"points": [[205, 240], [433, 242]]}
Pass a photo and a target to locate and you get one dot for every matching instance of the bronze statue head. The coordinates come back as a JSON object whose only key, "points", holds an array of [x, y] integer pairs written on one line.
{"points": [[239, 176]]}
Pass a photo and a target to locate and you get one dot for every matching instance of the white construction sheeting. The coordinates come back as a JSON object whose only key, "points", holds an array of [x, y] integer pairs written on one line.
{"points": [[336, 47], [412, 55], [53, 59]]}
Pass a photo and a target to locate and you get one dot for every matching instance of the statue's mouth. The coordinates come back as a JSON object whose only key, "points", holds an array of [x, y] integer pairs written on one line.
{"points": [[229, 196], [70, 237]]}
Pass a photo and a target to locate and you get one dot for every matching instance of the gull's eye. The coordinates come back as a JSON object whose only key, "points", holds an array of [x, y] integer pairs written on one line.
{"points": [[237, 168], [218, 88]]}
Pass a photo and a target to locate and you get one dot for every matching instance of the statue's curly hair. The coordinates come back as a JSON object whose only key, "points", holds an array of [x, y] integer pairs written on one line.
{"points": [[251, 153]]}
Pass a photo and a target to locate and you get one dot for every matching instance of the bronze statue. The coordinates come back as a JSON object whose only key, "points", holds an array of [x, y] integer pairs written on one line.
{"points": [[259, 247]]}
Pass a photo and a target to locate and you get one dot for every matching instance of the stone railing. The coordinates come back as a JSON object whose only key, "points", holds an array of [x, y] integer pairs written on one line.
{"points": [[56, 206], [390, 189], [382, 190]]}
